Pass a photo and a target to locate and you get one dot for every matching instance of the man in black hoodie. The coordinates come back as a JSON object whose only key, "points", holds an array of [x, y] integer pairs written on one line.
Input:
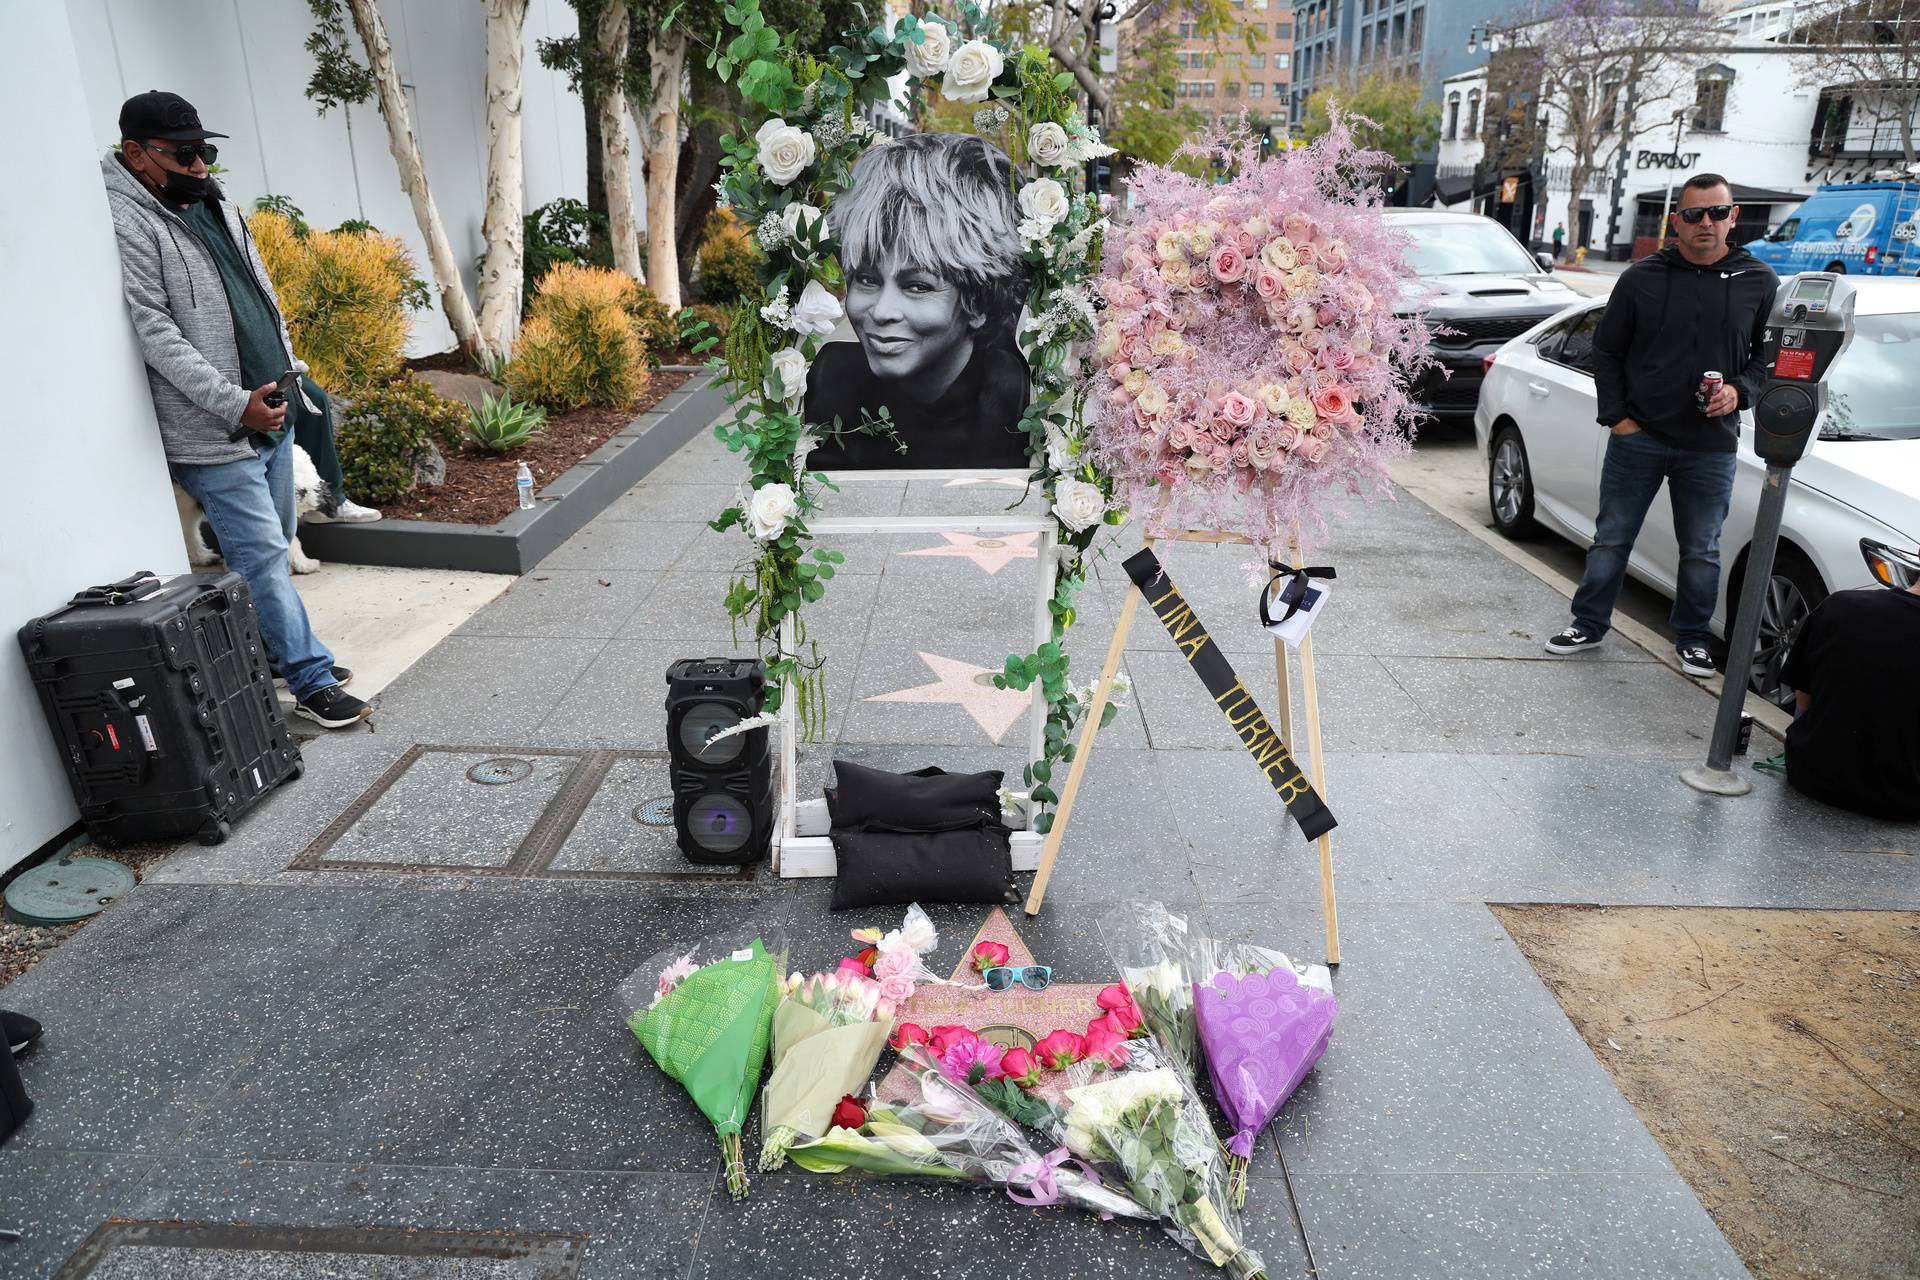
{"points": [[1695, 307]]}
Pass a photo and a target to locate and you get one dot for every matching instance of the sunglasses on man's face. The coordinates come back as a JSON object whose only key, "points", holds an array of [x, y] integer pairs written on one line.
{"points": [[183, 155], [1693, 216], [1034, 977]]}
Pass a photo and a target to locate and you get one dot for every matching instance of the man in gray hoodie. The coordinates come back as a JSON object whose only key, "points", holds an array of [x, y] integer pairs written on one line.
{"points": [[210, 328]]}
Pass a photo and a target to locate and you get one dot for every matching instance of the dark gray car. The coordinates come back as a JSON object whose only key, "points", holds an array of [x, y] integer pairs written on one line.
{"points": [[1477, 282]]}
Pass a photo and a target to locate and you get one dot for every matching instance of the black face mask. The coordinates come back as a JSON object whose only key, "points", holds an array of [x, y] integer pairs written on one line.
{"points": [[184, 188]]}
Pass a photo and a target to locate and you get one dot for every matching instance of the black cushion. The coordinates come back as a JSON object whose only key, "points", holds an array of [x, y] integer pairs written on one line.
{"points": [[929, 799], [886, 868]]}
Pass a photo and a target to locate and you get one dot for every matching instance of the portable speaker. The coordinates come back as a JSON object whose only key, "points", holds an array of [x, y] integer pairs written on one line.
{"points": [[722, 791]]}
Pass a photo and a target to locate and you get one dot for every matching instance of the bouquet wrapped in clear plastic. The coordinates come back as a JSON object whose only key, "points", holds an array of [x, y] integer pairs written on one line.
{"points": [[1152, 949], [947, 1131], [1263, 1022], [704, 1012], [1142, 1120]]}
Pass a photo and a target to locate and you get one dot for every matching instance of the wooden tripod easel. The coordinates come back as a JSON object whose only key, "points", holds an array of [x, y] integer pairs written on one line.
{"points": [[1103, 692]]}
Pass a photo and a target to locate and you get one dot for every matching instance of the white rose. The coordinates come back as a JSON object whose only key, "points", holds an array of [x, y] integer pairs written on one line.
{"points": [[817, 312], [787, 376], [772, 507], [930, 57], [971, 72], [797, 214], [1047, 144], [1060, 451], [785, 150], [1078, 505], [1044, 201]]}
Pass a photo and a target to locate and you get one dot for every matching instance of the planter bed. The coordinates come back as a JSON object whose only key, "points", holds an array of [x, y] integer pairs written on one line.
{"points": [[561, 508]]}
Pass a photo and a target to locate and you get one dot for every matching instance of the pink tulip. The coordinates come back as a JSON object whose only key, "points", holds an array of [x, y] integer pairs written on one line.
{"points": [[1059, 1050]]}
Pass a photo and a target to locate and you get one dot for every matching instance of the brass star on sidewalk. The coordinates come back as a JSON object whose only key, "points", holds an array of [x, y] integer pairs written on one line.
{"points": [[991, 554], [962, 684]]}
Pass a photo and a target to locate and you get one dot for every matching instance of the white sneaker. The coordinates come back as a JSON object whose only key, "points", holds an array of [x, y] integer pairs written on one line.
{"points": [[350, 512]]}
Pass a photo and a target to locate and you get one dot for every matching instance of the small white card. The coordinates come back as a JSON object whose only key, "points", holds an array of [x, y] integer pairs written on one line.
{"points": [[1293, 630]]}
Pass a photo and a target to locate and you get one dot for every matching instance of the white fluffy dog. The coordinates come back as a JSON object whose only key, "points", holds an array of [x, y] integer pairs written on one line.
{"points": [[309, 492]]}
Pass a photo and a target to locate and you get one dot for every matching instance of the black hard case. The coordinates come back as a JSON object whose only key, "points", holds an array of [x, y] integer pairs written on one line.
{"points": [[162, 705]]}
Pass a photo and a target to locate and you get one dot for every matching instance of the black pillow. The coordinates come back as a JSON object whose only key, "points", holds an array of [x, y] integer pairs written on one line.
{"points": [[888, 868], [929, 799]]}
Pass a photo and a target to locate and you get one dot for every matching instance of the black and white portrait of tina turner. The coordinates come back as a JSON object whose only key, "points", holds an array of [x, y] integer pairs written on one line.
{"points": [[935, 284]]}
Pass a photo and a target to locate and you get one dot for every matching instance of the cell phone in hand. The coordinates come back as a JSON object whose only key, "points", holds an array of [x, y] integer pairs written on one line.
{"points": [[289, 384]]}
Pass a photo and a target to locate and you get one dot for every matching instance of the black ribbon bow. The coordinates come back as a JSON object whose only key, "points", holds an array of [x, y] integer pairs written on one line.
{"points": [[1296, 583]]}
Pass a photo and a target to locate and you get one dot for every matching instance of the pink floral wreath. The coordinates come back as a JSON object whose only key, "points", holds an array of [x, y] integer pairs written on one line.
{"points": [[1251, 356]]}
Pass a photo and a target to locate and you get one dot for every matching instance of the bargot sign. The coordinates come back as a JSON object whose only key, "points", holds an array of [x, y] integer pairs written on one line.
{"points": [[1665, 159]]}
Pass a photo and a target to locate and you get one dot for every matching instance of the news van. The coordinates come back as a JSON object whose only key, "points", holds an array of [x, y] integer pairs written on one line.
{"points": [[1860, 228]]}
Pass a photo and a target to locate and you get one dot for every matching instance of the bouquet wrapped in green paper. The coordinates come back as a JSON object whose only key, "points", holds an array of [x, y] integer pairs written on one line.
{"points": [[704, 1012]]}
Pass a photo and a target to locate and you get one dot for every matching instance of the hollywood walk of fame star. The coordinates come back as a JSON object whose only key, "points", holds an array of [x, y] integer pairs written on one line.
{"points": [[961, 684], [991, 554]]}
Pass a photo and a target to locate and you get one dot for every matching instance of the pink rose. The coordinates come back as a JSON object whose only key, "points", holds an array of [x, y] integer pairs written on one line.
{"points": [[1227, 263], [900, 960], [1118, 371], [1020, 1067], [1330, 255], [1287, 438], [1332, 402], [1221, 431], [1136, 348], [1337, 356], [1059, 1050], [1238, 452], [1262, 447], [942, 1038], [1138, 259], [1114, 997], [1301, 442], [989, 955], [1315, 451], [1299, 228], [1180, 436], [1236, 410], [907, 1033], [896, 989], [1131, 299], [1107, 1042], [1244, 241], [1299, 359], [1268, 283]]}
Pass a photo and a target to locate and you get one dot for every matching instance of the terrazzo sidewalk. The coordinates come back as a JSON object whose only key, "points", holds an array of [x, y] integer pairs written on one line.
{"points": [[388, 1001]]}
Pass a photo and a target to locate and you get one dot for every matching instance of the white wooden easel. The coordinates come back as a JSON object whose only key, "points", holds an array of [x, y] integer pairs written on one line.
{"points": [[801, 844], [1103, 692]]}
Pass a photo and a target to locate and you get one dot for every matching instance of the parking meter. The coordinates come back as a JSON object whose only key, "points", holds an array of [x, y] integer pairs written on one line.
{"points": [[1811, 324]]}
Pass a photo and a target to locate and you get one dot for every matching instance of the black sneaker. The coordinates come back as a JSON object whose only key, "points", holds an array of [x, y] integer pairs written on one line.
{"points": [[1574, 639], [20, 1031], [333, 707], [341, 677], [1696, 661]]}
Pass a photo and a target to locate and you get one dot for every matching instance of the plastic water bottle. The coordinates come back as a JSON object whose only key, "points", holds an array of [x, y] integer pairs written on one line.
{"points": [[523, 481]]}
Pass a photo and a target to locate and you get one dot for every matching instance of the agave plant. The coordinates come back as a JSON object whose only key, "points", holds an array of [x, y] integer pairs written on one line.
{"points": [[501, 425]]}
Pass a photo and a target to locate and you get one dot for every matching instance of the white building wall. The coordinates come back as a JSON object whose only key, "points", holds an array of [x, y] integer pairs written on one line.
{"points": [[243, 66], [87, 495]]}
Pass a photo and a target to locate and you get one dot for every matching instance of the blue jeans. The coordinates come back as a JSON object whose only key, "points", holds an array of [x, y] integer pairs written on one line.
{"points": [[250, 506], [1701, 488]]}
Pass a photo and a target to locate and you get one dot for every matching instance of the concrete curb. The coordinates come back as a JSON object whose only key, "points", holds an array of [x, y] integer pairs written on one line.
{"points": [[562, 508], [1765, 715]]}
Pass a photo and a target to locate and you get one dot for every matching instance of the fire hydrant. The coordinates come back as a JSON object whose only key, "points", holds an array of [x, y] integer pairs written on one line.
{"points": [[1580, 256]]}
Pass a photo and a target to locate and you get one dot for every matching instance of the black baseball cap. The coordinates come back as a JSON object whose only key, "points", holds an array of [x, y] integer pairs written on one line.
{"points": [[158, 114]]}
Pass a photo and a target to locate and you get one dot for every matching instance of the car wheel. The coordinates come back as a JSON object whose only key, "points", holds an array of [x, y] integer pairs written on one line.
{"points": [[1793, 591], [1510, 485]]}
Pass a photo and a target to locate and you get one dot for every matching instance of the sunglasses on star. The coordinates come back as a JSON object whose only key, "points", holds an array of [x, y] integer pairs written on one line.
{"points": [[1693, 216], [1034, 977], [184, 153]]}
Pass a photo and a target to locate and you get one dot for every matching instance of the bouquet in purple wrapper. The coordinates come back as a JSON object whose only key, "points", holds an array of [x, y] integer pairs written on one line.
{"points": [[1263, 1022]]}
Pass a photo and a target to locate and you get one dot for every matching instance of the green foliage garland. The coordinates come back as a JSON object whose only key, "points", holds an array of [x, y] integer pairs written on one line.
{"points": [[829, 99]]}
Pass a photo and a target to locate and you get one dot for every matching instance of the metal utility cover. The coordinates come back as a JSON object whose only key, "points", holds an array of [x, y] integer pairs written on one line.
{"points": [[67, 889], [218, 1251]]}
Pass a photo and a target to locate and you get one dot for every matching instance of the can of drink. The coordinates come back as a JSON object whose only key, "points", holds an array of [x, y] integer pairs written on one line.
{"points": [[1745, 741], [1710, 382]]}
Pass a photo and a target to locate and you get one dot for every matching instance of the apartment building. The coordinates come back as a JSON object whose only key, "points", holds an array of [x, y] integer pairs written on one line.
{"points": [[1230, 73]]}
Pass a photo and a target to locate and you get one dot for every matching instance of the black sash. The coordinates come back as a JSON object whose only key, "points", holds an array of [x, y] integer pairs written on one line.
{"points": [[1261, 742]]}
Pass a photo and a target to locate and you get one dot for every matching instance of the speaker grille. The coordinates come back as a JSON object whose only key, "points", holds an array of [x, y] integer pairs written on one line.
{"points": [[701, 721], [719, 824]]}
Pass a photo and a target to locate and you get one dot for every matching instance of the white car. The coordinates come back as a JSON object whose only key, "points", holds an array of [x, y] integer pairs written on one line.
{"points": [[1853, 510]]}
